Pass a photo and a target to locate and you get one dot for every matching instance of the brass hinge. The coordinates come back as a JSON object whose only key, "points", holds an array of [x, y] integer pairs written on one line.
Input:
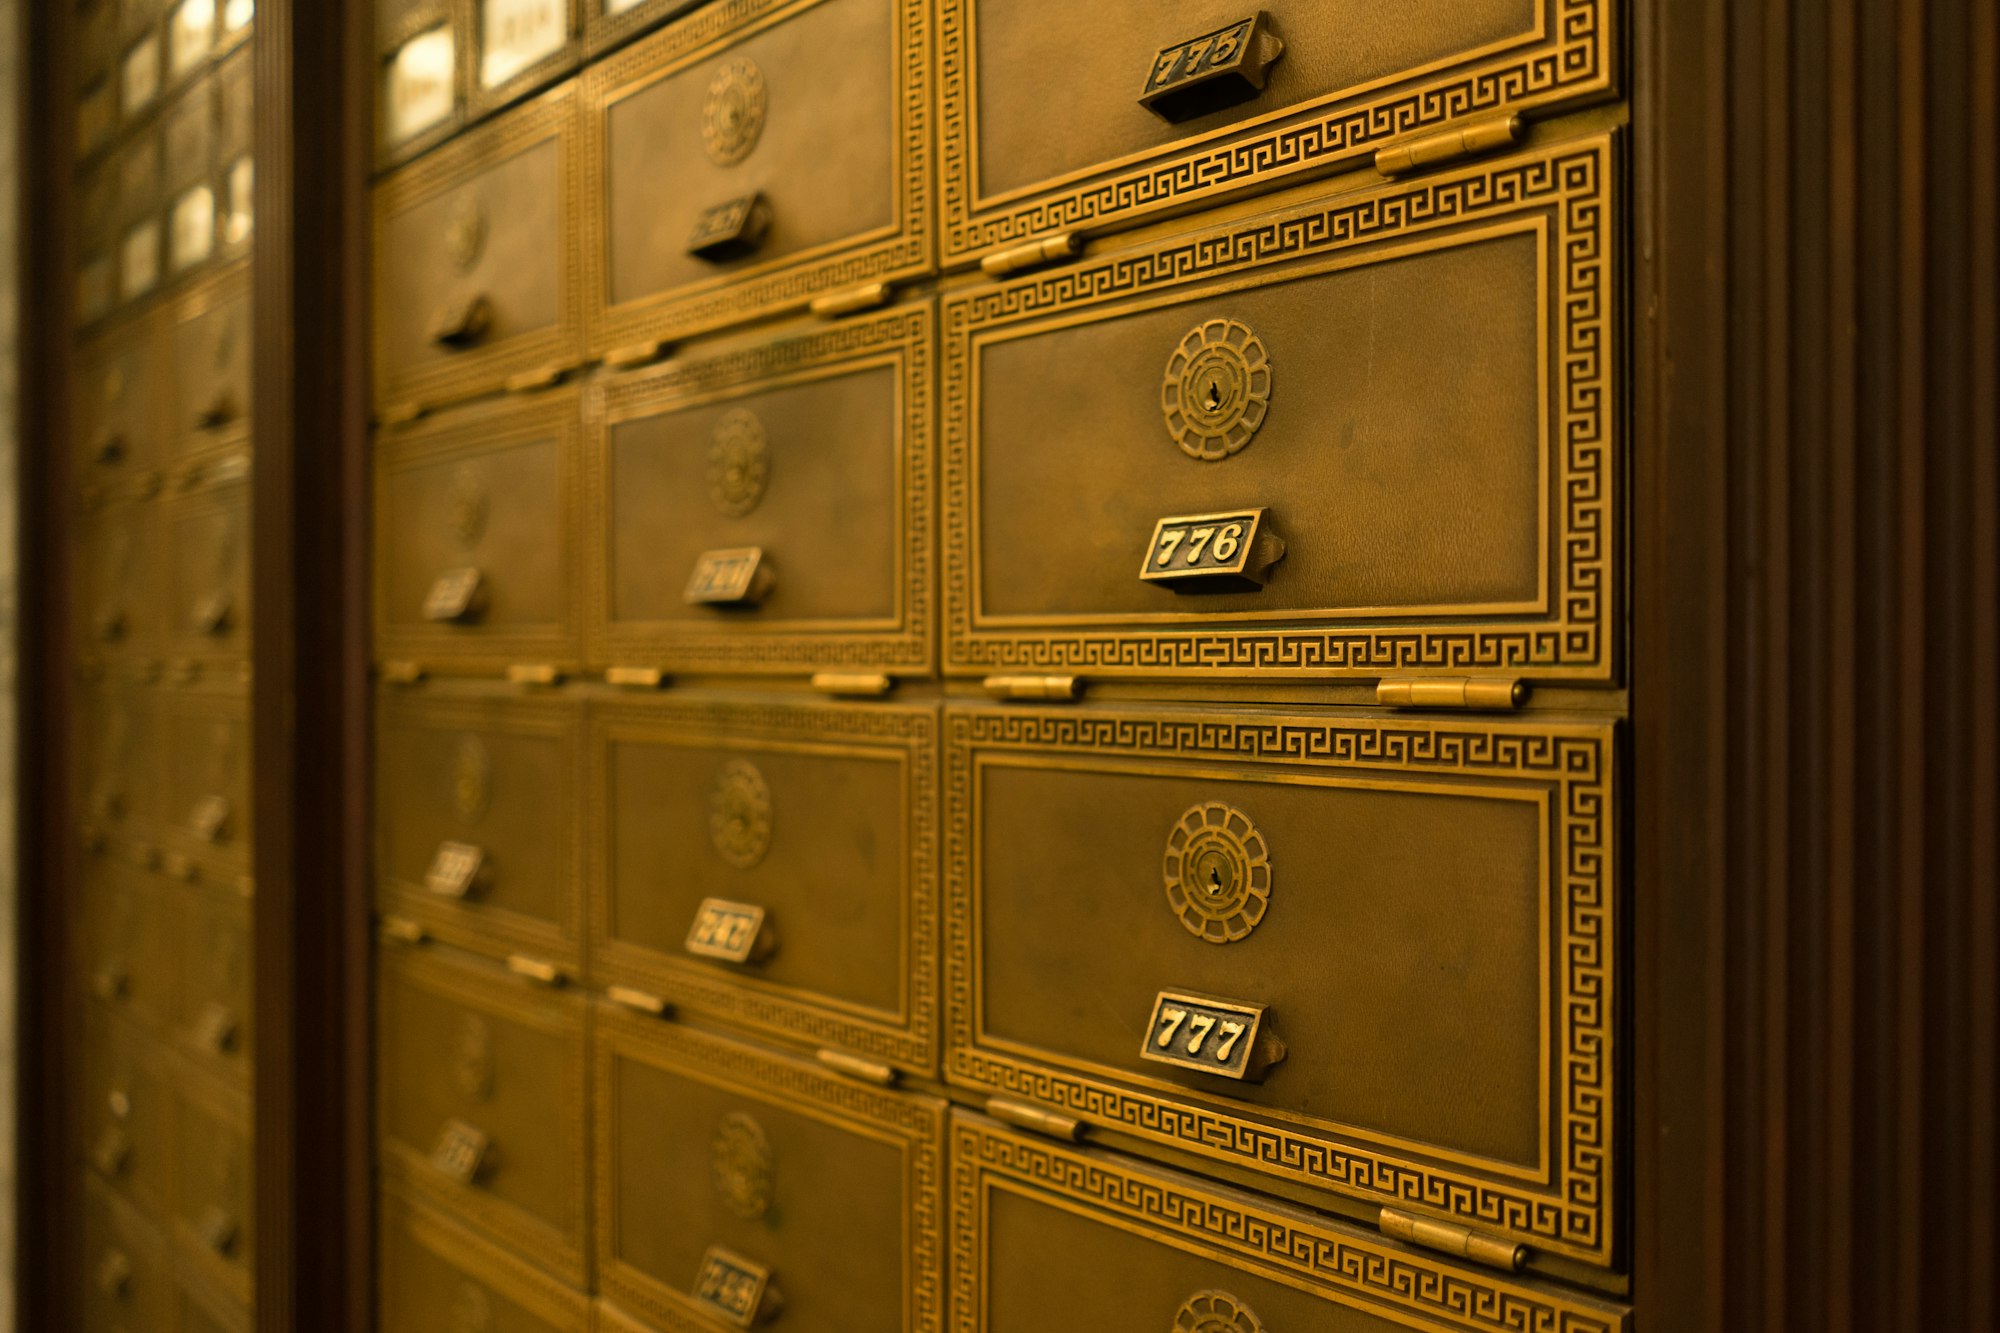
{"points": [[1032, 254], [852, 301], [868, 1071], [402, 673], [1450, 1238], [542, 377], [400, 414], [1021, 1115], [1450, 692], [1034, 687], [861, 683], [635, 354], [536, 970], [534, 673], [402, 930], [1430, 150], [637, 1000], [634, 678]]}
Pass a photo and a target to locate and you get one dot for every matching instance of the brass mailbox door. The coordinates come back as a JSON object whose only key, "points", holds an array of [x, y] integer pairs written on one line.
{"points": [[131, 925], [216, 1012], [1389, 412], [118, 578], [424, 69], [476, 565], [117, 407], [732, 1181], [207, 777], [752, 157], [209, 387], [521, 45], [475, 259], [813, 450], [204, 1309], [1104, 114], [208, 573], [1367, 955], [189, 129], [1045, 1235], [478, 799], [436, 1275], [128, 1113], [211, 1222], [119, 770], [128, 1278], [482, 1109], [772, 863]]}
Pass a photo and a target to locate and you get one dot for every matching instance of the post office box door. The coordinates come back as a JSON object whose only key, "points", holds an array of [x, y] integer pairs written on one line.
{"points": [[118, 578], [127, 1276], [217, 1012], [829, 1185], [817, 817], [1413, 386], [119, 787], [208, 572], [207, 764], [522, 44], [116, 407], [205, 1310], [810, 113], [437, 1275], [1117, 1246], [128, 1114], [814, 450], [131, 952], [476, 560], [1047, 126], [475, 259], [212, 1196], [495, 778], [1305, 938], [468, 1047], [210, 385]]}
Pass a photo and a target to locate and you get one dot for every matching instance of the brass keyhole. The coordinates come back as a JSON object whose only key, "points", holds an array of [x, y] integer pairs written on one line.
{"points": [[1214, 396], [1214, 882]]}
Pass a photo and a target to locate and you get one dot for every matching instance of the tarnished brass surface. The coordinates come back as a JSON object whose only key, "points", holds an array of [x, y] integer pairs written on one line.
{"points": [[437, 1276], [215, 1016], [127, 1113], [490, 220], [1031, 1217], [709, 1148], [492, 490], [212, 1197], [127, 1269], [1044, 125], [207, 575], [1434, 903], [1416, 381], [208, 401], [822, 815], [131, 953], [462, 1043], [499, 775], [822, 107], [815, 449]]}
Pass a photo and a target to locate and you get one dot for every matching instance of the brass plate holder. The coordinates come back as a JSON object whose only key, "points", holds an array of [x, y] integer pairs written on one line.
{"points": [[1214, 71], [456, 870], [1216, 1312], [731, 932], [1226, 552], [1211, 1036], [731, 229], [456, 597], [461, 1151], [737, 576], [736, 1289]]}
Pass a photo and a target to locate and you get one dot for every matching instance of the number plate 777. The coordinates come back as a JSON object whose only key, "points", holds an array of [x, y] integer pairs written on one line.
{"points": [[1211, 1035]]}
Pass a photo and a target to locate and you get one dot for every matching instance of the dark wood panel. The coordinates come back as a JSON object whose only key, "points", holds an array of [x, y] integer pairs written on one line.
{"points": [[1814, 665]]}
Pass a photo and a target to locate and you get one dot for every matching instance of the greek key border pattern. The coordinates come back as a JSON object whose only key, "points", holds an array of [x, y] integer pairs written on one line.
{"points": [[920, 1121], [908, 329], [1577, 1218], [1574, 62], [1350, 1268], [684, 310], [1574, 182]]}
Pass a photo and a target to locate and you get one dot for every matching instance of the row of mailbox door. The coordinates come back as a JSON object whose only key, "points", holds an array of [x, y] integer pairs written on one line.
{"points": [[538, 1144], [755, 156], [1352, 952], [1369, 434]]}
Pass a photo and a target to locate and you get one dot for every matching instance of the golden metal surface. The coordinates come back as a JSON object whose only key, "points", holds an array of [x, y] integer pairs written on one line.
{"points": [[1453, 1239], [437, 1275], [1216, 1312], [1030, 1216]]}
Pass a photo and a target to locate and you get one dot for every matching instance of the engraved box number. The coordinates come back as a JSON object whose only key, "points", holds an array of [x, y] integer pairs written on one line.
{"points": [[732, 1286], [1212, 552], [455, 870], [736, 576], [1215, 70], [460, 1151], [1213, 1036], [732, 932]]}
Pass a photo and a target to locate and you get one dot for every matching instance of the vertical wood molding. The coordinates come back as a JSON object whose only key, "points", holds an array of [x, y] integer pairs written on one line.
{"points": [[309, 698], [1818, 606]]}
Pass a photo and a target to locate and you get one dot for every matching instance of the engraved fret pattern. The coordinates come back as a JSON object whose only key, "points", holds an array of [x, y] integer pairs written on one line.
{"points": [[918, 1121], [699, 307], [1573, 63], [909, 1044], [906, 331], [1574, 184], [1348, 1267], [1576, 1217]]}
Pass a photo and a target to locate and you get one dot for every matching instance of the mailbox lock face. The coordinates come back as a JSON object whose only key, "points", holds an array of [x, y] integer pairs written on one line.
{"points": [[1216, 390], [1218, 873]]}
